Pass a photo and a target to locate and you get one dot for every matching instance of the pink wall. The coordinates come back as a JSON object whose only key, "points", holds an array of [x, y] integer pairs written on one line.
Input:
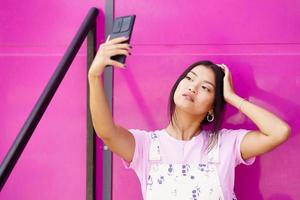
{"points": [[258, 40], [33, 37]]}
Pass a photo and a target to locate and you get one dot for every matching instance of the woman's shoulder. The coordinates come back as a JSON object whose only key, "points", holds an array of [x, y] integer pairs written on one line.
{"points": [[143, 131], [145, 134], [232, 134], [228, 131]]}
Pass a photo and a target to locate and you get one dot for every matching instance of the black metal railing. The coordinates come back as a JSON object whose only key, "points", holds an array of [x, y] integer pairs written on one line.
{"points": [[87, 29]]}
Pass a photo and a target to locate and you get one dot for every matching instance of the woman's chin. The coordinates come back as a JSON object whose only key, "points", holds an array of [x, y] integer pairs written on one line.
{"points": [[186, 108]]}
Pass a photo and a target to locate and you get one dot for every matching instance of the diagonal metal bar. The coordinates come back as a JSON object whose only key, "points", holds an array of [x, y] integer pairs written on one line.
{"points": [[36, 114]]}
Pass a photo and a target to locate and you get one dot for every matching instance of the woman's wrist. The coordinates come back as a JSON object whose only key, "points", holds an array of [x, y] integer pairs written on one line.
{"points": [[241, 104], [230, 98], [93, 74], [236, 101], [95, 70]]}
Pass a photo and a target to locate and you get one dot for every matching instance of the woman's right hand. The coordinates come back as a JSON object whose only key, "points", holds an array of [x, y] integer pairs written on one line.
{"points": [[104, 53]]}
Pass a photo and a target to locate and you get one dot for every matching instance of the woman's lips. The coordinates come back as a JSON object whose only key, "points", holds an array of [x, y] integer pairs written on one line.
{"points": [[188, 97]]}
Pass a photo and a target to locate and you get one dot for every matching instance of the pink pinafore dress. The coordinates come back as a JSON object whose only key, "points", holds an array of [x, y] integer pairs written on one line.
{"points": [[173, 181]]}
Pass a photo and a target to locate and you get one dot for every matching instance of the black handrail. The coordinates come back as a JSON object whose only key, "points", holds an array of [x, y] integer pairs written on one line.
{"points": [[36, 114]]}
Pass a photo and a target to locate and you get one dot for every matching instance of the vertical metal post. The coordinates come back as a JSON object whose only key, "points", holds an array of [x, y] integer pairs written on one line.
{"points": [[90, 162], [108, 86]]}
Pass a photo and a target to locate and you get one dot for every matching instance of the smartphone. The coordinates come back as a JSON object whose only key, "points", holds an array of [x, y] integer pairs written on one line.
{"points": [[122, 26]]}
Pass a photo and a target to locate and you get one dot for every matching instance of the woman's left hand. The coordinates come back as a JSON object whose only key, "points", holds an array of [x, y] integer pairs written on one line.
{"points": [[228, 84]]}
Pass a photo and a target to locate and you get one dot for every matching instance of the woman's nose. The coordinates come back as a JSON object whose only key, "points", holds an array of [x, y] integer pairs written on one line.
{"points": [[192, 89]]}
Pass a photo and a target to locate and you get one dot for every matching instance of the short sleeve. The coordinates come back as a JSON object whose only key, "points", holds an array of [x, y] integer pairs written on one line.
{"points": [[237, 136], [138, 158], [240, 134]]}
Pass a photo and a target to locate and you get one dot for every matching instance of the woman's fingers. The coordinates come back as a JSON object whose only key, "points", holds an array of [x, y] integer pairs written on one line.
{"points": [[116, 63], [117, 40], [113, 47], [118, 46], [107, 39], [117, 52], [220, 65], [106, 50], [223, 67]]}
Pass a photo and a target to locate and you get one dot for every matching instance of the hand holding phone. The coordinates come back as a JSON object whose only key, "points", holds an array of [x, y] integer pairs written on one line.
{"points": [[122, 27]]}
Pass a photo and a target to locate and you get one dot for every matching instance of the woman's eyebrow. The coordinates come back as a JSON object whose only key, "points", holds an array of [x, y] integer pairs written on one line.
{"points": [[206, 81]]}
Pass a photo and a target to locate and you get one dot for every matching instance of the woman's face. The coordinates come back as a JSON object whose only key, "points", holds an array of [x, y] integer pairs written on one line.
{"points": [[195, 93]]}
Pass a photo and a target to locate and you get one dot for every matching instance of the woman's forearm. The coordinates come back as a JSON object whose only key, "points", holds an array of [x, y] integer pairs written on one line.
{"points": [[100, 112], [268, 123]]}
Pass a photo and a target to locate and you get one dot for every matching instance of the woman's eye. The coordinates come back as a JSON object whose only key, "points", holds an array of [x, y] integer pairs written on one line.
{"points": [[187, 77], [205, 88]]}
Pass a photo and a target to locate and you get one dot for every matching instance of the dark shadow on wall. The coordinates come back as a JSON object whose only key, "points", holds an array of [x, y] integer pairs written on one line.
{"points": [[136, 91], [248, 177], [280, 196], [247, 87], [247, 181]]}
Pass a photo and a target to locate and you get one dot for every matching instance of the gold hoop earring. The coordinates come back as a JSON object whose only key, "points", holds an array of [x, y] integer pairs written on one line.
{"points": [[210, 119]]}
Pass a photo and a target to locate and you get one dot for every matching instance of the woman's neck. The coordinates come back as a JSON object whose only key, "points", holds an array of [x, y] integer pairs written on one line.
{"points": [[185, 126], [183, 133]]}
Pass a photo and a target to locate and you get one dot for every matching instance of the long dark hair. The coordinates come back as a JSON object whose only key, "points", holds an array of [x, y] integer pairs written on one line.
{"points": [[218, 104]]}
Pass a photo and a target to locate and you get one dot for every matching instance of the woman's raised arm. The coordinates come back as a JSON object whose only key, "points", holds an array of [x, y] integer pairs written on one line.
{"points": [[118, 139]]}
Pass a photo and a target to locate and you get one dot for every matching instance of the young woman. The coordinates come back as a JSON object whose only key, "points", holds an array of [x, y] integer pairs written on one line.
{"points": [[192, 158]]}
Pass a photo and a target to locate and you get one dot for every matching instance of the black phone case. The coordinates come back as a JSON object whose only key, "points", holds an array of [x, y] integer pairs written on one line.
{"points": [[122, 26]]}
